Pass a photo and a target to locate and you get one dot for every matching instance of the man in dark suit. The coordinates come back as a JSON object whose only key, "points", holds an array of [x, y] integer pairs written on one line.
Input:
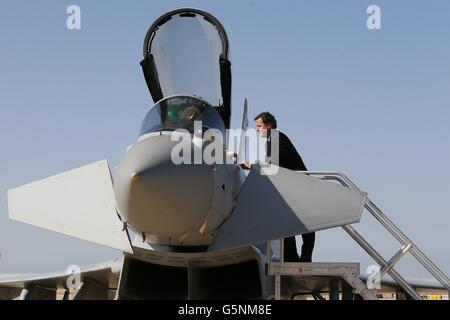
{"points": [[288, 158]]}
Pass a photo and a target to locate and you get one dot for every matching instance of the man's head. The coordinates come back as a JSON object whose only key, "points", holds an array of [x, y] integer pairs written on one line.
{"points": [[190, 113], [265, 122]]}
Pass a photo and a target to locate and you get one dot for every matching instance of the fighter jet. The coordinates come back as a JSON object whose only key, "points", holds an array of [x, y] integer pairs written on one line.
{"points": [[197, 226]]}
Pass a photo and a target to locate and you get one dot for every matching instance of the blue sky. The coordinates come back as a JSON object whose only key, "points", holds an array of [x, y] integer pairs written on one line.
{"points": [[373, 104]]}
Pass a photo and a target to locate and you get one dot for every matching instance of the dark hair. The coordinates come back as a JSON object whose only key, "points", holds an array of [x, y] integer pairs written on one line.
{"points": [[267, 118]]}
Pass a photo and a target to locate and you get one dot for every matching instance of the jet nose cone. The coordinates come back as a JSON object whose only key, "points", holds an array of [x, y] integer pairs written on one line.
{"points": [[156, 196]]}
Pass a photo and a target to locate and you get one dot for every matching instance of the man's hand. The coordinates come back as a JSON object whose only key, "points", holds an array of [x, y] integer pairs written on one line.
{"points": [[246, 166]]}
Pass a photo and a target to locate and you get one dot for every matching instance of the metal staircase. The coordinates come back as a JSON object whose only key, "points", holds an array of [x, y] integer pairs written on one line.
{"points": [[345, 272]]}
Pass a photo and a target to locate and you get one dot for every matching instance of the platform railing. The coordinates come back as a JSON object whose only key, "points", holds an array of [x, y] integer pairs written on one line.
{"points": [[387, 266]]}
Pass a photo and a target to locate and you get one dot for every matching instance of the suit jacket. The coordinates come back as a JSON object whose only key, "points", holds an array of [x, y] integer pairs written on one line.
{"points": [[287, 157]]}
